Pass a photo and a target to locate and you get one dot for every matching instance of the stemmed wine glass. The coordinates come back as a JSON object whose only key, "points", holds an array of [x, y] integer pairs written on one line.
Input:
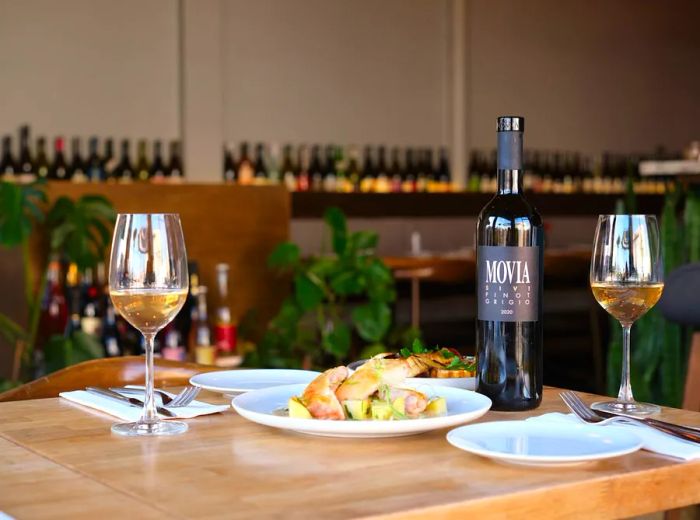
{"points": [[627, 280], [148, 285]]}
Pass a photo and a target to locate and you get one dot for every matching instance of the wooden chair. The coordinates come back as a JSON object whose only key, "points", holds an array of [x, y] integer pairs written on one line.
{"points": [[118, 371], [680, 303]]}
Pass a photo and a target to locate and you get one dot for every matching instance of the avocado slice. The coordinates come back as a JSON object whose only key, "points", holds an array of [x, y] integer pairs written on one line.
{"points": [[436, 407], [297, 409], [381, 410], [358, 409]]}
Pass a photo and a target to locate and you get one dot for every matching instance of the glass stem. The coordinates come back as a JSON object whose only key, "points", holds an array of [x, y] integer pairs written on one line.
{"points": [[625, 394], [149, 407]]}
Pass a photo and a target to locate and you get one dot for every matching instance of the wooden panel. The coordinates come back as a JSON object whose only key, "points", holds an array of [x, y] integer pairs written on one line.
{"points": [[35, 487], [239, 225], [226, 467]]}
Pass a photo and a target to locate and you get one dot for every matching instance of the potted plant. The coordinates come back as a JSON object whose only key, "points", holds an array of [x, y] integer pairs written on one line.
{"points": [[77, 231]]}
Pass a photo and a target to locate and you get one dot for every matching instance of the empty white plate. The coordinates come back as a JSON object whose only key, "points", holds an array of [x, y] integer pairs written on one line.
{"points": [[544, 443], [265, 407], [234, 382]]}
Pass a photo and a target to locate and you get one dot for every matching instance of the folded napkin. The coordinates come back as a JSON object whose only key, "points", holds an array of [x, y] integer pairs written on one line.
{"points": [[131, 413], [654, 440]]}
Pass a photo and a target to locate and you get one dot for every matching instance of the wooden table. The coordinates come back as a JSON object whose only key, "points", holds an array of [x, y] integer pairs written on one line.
{"points": [[58, 460]]}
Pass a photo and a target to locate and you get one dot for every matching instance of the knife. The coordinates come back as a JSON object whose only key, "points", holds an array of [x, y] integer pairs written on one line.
{"points": [[131, 401], [687, 432]]}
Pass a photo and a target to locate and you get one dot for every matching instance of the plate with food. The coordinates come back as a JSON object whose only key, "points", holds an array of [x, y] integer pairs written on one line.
{"points": [[234, 382], [375, 400], [442, 366]]}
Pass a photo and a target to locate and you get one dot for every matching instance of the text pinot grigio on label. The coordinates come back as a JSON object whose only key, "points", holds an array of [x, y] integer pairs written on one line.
{"points": [[508, 283]]}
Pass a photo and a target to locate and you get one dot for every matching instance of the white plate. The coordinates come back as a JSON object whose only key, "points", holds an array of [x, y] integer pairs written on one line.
{"points": [[259, 406], [540, 443], [234, 382], [468, 383]]}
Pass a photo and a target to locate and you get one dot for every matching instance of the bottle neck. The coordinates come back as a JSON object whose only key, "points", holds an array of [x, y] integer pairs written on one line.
{"points": [[510, 162]]}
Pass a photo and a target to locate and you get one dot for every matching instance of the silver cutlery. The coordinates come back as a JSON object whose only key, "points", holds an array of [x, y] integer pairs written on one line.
{"points": [[185, 397], [132, 401], [576, 405]]}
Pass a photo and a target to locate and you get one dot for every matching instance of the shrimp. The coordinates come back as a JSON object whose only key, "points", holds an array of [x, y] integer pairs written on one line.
{"points": [[414, 401], [319, 396]]}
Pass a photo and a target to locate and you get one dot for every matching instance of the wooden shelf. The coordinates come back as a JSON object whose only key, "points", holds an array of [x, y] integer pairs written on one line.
{"points": [[392, 205]]}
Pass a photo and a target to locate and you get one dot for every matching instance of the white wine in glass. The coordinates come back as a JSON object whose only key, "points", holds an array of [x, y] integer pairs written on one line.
{"points": [[626, 280], [148, 284]]}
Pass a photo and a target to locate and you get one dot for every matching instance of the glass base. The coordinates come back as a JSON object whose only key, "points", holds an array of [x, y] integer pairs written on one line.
{"points": [[149, 429], [633, 408]]}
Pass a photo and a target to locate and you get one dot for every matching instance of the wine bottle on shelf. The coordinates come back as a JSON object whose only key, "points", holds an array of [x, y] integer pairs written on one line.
{"points": [[175, 171], [109, 159], [204, 351], [76, 172], [303, 175], [110, 332], [143, 169], [330, 176], [157, 170], [409, 178], [510, 243], [25, 165], [272, 161], [315, 169], [425, 170], [395, 174], [124, 171], [354, 174], [59, 168], [261, 174], [172, 346], [41, 162], [381, 184], [229, 165], [287, 169], [369, 172], [342, 182], [94, 165], [225, 327], [245, 171], [54, 309], [443, 176], [73, 298], [8, 166]]}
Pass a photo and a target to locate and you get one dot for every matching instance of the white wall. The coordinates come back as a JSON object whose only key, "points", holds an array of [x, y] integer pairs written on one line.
{"points": [[591, 75], [362, 71], [78, 67]]}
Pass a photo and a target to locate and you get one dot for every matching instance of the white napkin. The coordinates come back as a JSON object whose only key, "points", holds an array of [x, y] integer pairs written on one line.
{"points": [[654, 440], [131, 413]]}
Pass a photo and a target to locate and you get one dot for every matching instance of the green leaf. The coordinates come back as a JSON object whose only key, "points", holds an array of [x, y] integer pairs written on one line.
{"points": [[11, 330], [19, 209], [60, 351], [365, 241], [285, 255], [372, 320], [335, 219], [372, 350], [347, 282], [308, 294], [337, 341]]}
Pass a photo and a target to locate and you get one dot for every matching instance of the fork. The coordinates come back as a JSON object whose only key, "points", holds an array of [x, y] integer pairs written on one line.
{"points": [[582, 411], [185, 397]]}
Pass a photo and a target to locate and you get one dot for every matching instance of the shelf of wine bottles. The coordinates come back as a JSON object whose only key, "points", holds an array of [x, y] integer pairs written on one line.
{"points": [[31, 160], [339, 169], [77, 301]]}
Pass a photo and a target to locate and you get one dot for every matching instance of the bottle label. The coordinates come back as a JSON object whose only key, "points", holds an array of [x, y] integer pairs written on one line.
{"points": [[508, 283], [225, 335]]}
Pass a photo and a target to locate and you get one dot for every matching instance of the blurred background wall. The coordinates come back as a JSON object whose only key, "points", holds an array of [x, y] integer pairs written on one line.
{"points": [[587, 75]]}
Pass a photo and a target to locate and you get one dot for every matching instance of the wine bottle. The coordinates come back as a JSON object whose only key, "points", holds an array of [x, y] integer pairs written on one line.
{"points": [[261, 175], [303, 176], [287, 169], [204, 351], [143, 170], [330, 176], [369, 172], [73, 294], [315, 169], [76, 173], [272, 161], [509, 257], [443, 176], [41, 162], [94, 170], [225, 326], [354, 174], [110, 333], [109, 160], [409, 176], [54, 309], [124, 172], [381, 183], [25, 171], [245, 171], [8, 167], [395, 176], [229, 165], [59, 167], [175, 170], [157, 170]]}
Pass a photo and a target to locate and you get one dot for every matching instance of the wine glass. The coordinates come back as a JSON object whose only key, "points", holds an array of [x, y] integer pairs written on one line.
{"points": [[148, 285], [627, 280]]}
